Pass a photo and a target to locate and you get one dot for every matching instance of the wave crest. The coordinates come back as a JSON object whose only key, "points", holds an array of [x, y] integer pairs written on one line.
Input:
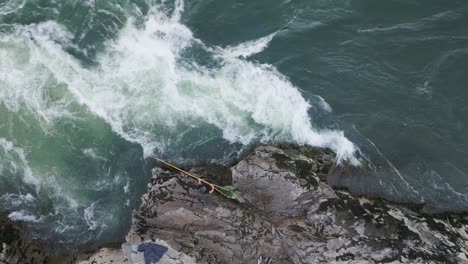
{"points": [[148, 89]]}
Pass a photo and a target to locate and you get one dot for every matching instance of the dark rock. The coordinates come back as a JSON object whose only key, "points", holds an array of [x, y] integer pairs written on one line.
{"points": [[15, 247], [285, 212]]}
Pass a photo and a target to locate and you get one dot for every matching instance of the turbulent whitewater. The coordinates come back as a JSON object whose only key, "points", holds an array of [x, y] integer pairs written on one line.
{"points": [[90, 89], [149, 86], [150, 90]]}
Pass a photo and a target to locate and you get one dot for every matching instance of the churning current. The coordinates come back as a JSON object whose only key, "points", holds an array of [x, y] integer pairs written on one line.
{"points": [[90, 89]]}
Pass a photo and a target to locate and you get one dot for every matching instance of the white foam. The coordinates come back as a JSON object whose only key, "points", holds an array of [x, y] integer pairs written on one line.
{"points": [[14, 163], [126, 188], [23, 216], [60, 194], [91, 152], [89, 216], [14, 159], [249, 48], [97, 218], [25, 81], [325, 106], [15, 200], [146, 90], [11, 6]]}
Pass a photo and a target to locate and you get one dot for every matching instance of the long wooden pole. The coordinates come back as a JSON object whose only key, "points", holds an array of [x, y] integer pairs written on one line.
{"points": [[213, 186]]}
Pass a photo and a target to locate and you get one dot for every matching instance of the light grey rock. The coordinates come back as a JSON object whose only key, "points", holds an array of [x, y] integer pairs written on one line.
{"points": [[106, 256], [286, 211]]}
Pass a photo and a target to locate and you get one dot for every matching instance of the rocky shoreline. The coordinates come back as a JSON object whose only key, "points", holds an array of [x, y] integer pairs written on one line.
{"points": [[15, 246], [283, 211]]}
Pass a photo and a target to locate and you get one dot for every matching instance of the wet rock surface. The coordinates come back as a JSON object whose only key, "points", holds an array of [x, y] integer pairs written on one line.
{"points": [[15, 247], [283, 211]]}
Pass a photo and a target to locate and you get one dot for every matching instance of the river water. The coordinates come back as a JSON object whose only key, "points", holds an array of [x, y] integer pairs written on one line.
{"points": [[90, 89]]}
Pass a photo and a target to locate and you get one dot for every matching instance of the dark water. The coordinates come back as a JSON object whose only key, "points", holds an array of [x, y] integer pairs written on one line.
{"points": [[89, 89]]}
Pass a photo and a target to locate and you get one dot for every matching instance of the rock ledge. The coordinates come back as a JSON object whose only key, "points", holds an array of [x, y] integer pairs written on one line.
{"points": [[283, 212], [286, 212]]}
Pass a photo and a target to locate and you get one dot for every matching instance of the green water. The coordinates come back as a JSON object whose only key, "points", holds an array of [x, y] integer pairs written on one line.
{"points": [[90, 89]]}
